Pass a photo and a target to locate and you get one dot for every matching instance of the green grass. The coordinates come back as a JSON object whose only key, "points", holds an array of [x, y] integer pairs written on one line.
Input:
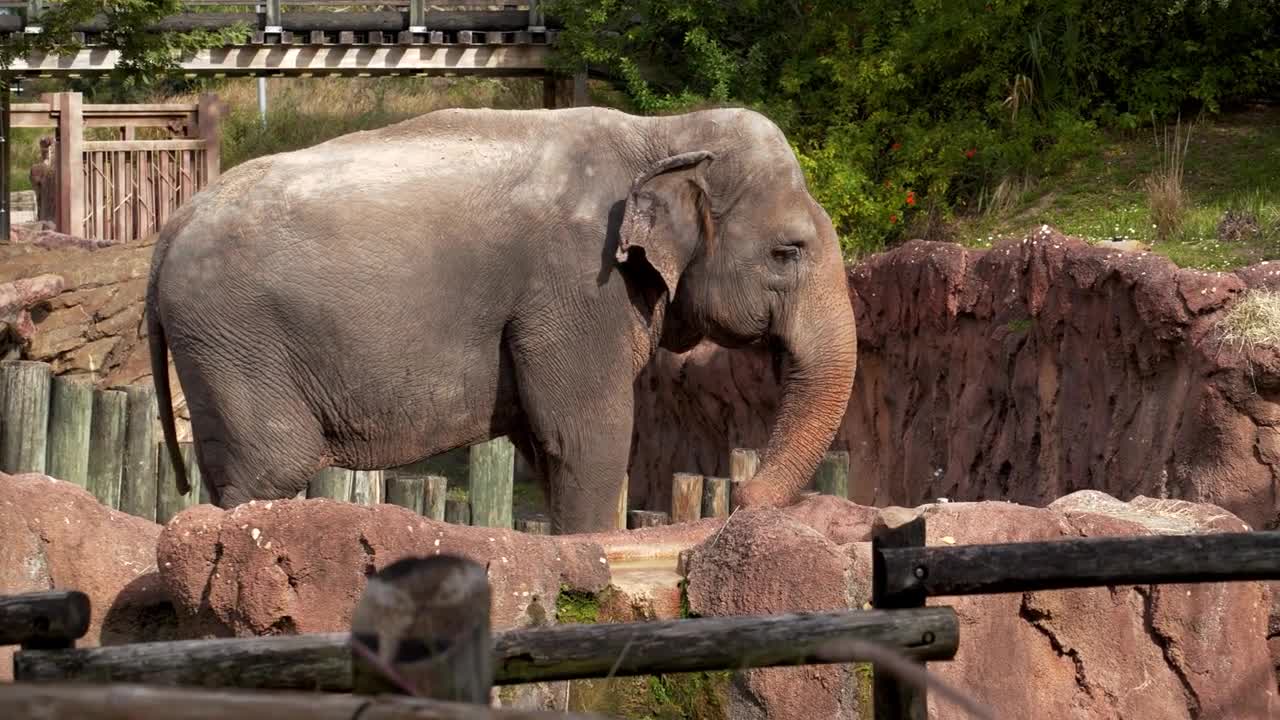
{"points": [[1252, 322], [1232, 163]]}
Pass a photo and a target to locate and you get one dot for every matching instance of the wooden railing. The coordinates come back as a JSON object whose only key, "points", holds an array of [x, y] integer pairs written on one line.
{"points": [[123, 189]]}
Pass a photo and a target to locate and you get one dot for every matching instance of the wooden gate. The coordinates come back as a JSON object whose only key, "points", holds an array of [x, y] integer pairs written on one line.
{"points": [[124, 189]]}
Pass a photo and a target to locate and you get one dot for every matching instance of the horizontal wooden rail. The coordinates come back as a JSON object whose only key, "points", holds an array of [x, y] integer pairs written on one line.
{"points": [[303, 21], [1075, 563], [53, 619], [73, 701], [43, 115], [322, 661], [142, 145]]}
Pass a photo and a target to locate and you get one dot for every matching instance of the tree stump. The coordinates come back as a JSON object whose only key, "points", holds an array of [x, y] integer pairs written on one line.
{"points": [[24, 416], [437, 488], [686, 497], [333, 483], [492, 469], [645, 518], [715, 497], [107, 444], [138, 481], [407, 491], [70, 419]]}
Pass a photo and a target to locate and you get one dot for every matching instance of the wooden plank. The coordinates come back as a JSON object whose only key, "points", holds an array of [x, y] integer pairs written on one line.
{"points": [[333, 483], [322, 661], [407, 491], [502, 60], [448, 657], [24, 416], [78, 701], [368, 487], [70, 424], [170, 502], [492, 470], [107, 444], [44, 620], [457, 512], [436, 490], [70, 164], [1078, 563], [686, 497], [136, 145]]}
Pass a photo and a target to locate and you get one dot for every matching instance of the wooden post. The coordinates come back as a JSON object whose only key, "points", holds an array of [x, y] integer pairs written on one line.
{"points": [[535, 525], [833, 475], [549, 86], [894, 699], [491, 470], [107, 444], [169, 501], [620, 521], [332, 482], [427, 619], [6, 158], [209, 117], [138, 481], [537, 23], [457, 512], [70, 163], [407, 491], [193, 474], [367, 487], [715, 497], [435, 494], [70, 418], [580, 96], [686, 497], [743, 464], [645, 518], [51, 620], [24, 416]]}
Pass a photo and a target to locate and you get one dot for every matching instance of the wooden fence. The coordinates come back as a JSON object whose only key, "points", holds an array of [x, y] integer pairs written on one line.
{"points": [[122, 188], [108, 442]]}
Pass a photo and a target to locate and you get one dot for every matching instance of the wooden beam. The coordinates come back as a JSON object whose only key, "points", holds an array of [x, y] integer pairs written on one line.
{"points": [[891, 697], [304, 21], [286, 60], [46, 620], [75, 701], [127, 145], [1077, 563], [70, 164], [323, 661]]}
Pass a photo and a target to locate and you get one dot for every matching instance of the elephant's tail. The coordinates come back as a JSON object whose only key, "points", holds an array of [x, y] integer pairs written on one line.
{"points": [[164, 397]]}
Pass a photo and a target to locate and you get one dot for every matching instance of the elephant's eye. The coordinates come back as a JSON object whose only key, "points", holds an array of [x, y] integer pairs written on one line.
{"points": [[787, 253]]}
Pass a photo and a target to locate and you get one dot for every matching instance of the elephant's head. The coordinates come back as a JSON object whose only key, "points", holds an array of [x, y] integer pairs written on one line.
{"points": [[745, 254]]}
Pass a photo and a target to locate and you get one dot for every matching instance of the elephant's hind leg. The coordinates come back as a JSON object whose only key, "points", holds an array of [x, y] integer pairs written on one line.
{"points": [[254, 442]]}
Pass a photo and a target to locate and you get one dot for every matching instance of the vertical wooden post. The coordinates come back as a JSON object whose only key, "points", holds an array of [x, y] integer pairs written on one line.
{"points": [[686, 497], [580, 96], [833, 475], [534, 526], [331, 482], [407, 491], [70, 417], [537, 23], [894, 699], [743, 463], [417, 16], [433, 502], [138, 481], [70, 164], [169, 501], [193, 474], [24, 416], [6, 156], [491, 469], [715, 497], [367, 487], [620, 521], [107, 444], [457, 512], [209, 117], [427, 620], [645, 518]]}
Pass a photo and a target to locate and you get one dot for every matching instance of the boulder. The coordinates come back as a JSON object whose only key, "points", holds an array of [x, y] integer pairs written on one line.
{"points": [[56, 536], [1023, 373], [1162, 651]]}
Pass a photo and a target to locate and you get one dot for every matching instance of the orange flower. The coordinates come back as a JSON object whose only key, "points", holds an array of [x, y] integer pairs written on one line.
{"points": [[971, 152], [896, 147], [911, 197], [893, 219]]}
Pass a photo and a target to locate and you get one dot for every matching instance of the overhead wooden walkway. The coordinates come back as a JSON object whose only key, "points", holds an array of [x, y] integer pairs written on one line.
{"points": [[412, 38]]}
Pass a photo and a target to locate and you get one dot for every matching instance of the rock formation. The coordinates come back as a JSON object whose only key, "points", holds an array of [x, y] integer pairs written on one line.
{"points": [[1022, 373]]}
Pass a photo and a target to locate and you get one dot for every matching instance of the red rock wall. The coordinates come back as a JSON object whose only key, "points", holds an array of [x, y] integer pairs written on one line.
{"points": [[1021, 373]]}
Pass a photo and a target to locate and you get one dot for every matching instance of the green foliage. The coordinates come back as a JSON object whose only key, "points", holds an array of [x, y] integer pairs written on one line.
{"points": [[902, 112], [574, 606], [146, 57]]}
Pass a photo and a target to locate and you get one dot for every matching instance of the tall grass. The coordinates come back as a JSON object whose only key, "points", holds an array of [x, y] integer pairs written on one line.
{"points": [[1166, 197]]}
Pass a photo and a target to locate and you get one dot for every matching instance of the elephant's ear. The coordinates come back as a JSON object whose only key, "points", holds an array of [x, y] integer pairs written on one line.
{"points": [[667, 213]]}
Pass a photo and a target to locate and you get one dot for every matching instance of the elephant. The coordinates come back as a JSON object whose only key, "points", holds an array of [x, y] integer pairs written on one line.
{"points": [[391, 294]]}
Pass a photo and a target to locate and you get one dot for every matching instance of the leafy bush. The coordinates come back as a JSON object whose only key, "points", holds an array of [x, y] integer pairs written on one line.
{"points": [[903, 109]]}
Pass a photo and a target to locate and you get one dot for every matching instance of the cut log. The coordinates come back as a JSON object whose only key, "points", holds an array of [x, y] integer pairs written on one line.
{"points": [[44, 620], [107, 444], [686, 497], [70, 425], [24, 416]]}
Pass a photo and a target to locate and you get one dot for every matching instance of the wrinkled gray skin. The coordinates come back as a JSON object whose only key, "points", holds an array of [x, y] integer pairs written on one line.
{"points": [[392, 294]]}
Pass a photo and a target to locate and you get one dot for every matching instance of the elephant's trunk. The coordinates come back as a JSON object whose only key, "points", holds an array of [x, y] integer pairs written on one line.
{"points": [[819, 340]]}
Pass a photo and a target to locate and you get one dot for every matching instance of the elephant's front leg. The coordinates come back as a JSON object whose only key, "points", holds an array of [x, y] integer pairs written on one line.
{"points": [[578, 401]]}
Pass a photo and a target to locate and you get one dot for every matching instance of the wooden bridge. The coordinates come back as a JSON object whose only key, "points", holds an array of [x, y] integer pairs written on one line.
{"points": [[410, 37]]}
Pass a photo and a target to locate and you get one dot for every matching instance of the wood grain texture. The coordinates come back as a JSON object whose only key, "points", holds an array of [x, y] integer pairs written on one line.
{"points": [[106, 445], [70, 424], [138, 480], [76, 701], [686, 497], [53, 619], [646, 518], [322, 661], [333, 483], [832, 477], [407, 491], [715, 497], [1079, 563], [24, 416], [893, 698], [492, 472]]}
